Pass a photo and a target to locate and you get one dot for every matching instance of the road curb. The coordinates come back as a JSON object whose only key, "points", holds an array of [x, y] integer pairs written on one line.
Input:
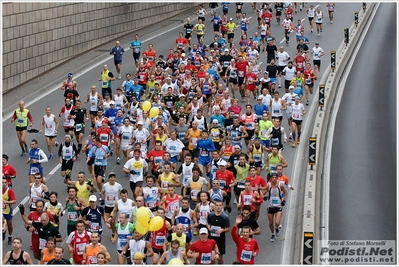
{"points": [[311, 213]]}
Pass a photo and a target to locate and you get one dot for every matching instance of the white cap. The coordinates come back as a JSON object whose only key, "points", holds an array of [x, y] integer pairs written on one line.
{"points": [[215, 121], [112, 102], [237, 146], [182, 95], [203, 230], [183, 54], [231, 18], [223, 163], [291, 87], [226, 50], [93, 198], [140, 123]]}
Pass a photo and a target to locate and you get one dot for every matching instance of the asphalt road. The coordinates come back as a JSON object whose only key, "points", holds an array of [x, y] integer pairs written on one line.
{"points": [[164, 39], [363, 161]]}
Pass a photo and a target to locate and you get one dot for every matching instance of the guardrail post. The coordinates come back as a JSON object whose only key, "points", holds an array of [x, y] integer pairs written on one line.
{"points": [[307, 258], [364, 6], [333, 54], [312, 152], [321, 96], [356, 18], [346, 36]]}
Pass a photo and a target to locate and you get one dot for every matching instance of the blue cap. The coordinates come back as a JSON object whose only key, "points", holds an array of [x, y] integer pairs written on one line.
{"points": [[70, 74]]}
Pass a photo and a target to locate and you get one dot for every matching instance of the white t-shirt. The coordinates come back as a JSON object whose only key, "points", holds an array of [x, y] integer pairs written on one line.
{"points": [[289, 73], [283, 58], [138, 166], [316, 52]]}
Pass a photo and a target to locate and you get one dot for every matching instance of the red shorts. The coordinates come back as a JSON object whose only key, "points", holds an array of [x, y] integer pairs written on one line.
{"points": [[251, 87], [35, 243]]}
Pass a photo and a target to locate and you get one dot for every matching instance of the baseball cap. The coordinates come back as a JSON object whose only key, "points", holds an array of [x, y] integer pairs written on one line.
{"points": [[297, 97], [223, 163], [251, 37], [316, 43], [231, 18], [70, 74], [183, 54], [93, 198], [215, 121], [291, 87], [237, 146], [5, 156], [274, 174], [112, 102], [182, 95], [203, 230], [111, 174], [140, 123], [226, 50], [260, 97]]}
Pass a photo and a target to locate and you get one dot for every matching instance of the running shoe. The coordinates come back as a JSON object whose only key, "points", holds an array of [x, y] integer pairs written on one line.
{"points": [[111, 152], [235, 201], [102, 202], [78, 155], [26, 150], [273, 238], [307, 103], [113, 237], [294, 144], [299, 140], [9, 240], [277, 232], [50, 156], [118, 161], [280, 226], [56, 143], [23, 153], [229, 209], [290, 138]]}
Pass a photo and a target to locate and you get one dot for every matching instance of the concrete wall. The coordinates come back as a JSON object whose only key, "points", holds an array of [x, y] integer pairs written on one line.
{"points": [[40, 36]]}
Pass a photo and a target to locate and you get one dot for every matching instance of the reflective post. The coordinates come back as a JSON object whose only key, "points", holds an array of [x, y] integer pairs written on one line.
{"points": [[333, 54], [356, 18], [346, 36], [312, 152], [321, 96], [364, 6]]}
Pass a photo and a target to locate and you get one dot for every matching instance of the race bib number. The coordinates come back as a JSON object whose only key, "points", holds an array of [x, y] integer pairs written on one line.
{"points": [[42, 243], [206, 258], [275, 141], [240, 184], [78, 127], [72, 216], [20, 120], [214, 229], [80, 248], [159, 240], [111, 198], [246, 255], [94, 227]]}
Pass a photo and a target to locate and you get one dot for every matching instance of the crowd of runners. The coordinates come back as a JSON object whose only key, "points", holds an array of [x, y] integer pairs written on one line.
{"points": [[183, 128]]}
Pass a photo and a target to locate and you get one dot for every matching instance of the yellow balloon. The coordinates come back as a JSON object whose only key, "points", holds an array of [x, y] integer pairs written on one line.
{"points": [[143, 215], [146, 106], [175, 261], [156, 223], [154, 112], [140, 228]]}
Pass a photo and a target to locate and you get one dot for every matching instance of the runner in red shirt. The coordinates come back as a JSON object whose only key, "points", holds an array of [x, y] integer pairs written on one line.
{"points": [[258, 184], [227, 181], [156, 156], [158, 238], [248, 197], [204, 250], [247, 248], [241, 66], [34, 216], [300, 61], [105, 134], [151, 55], [251, 79], [9, 172], [181, 43]]}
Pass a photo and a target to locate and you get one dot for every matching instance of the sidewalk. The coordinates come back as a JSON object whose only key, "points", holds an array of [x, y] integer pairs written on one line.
{"points": [[32, 89]]}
